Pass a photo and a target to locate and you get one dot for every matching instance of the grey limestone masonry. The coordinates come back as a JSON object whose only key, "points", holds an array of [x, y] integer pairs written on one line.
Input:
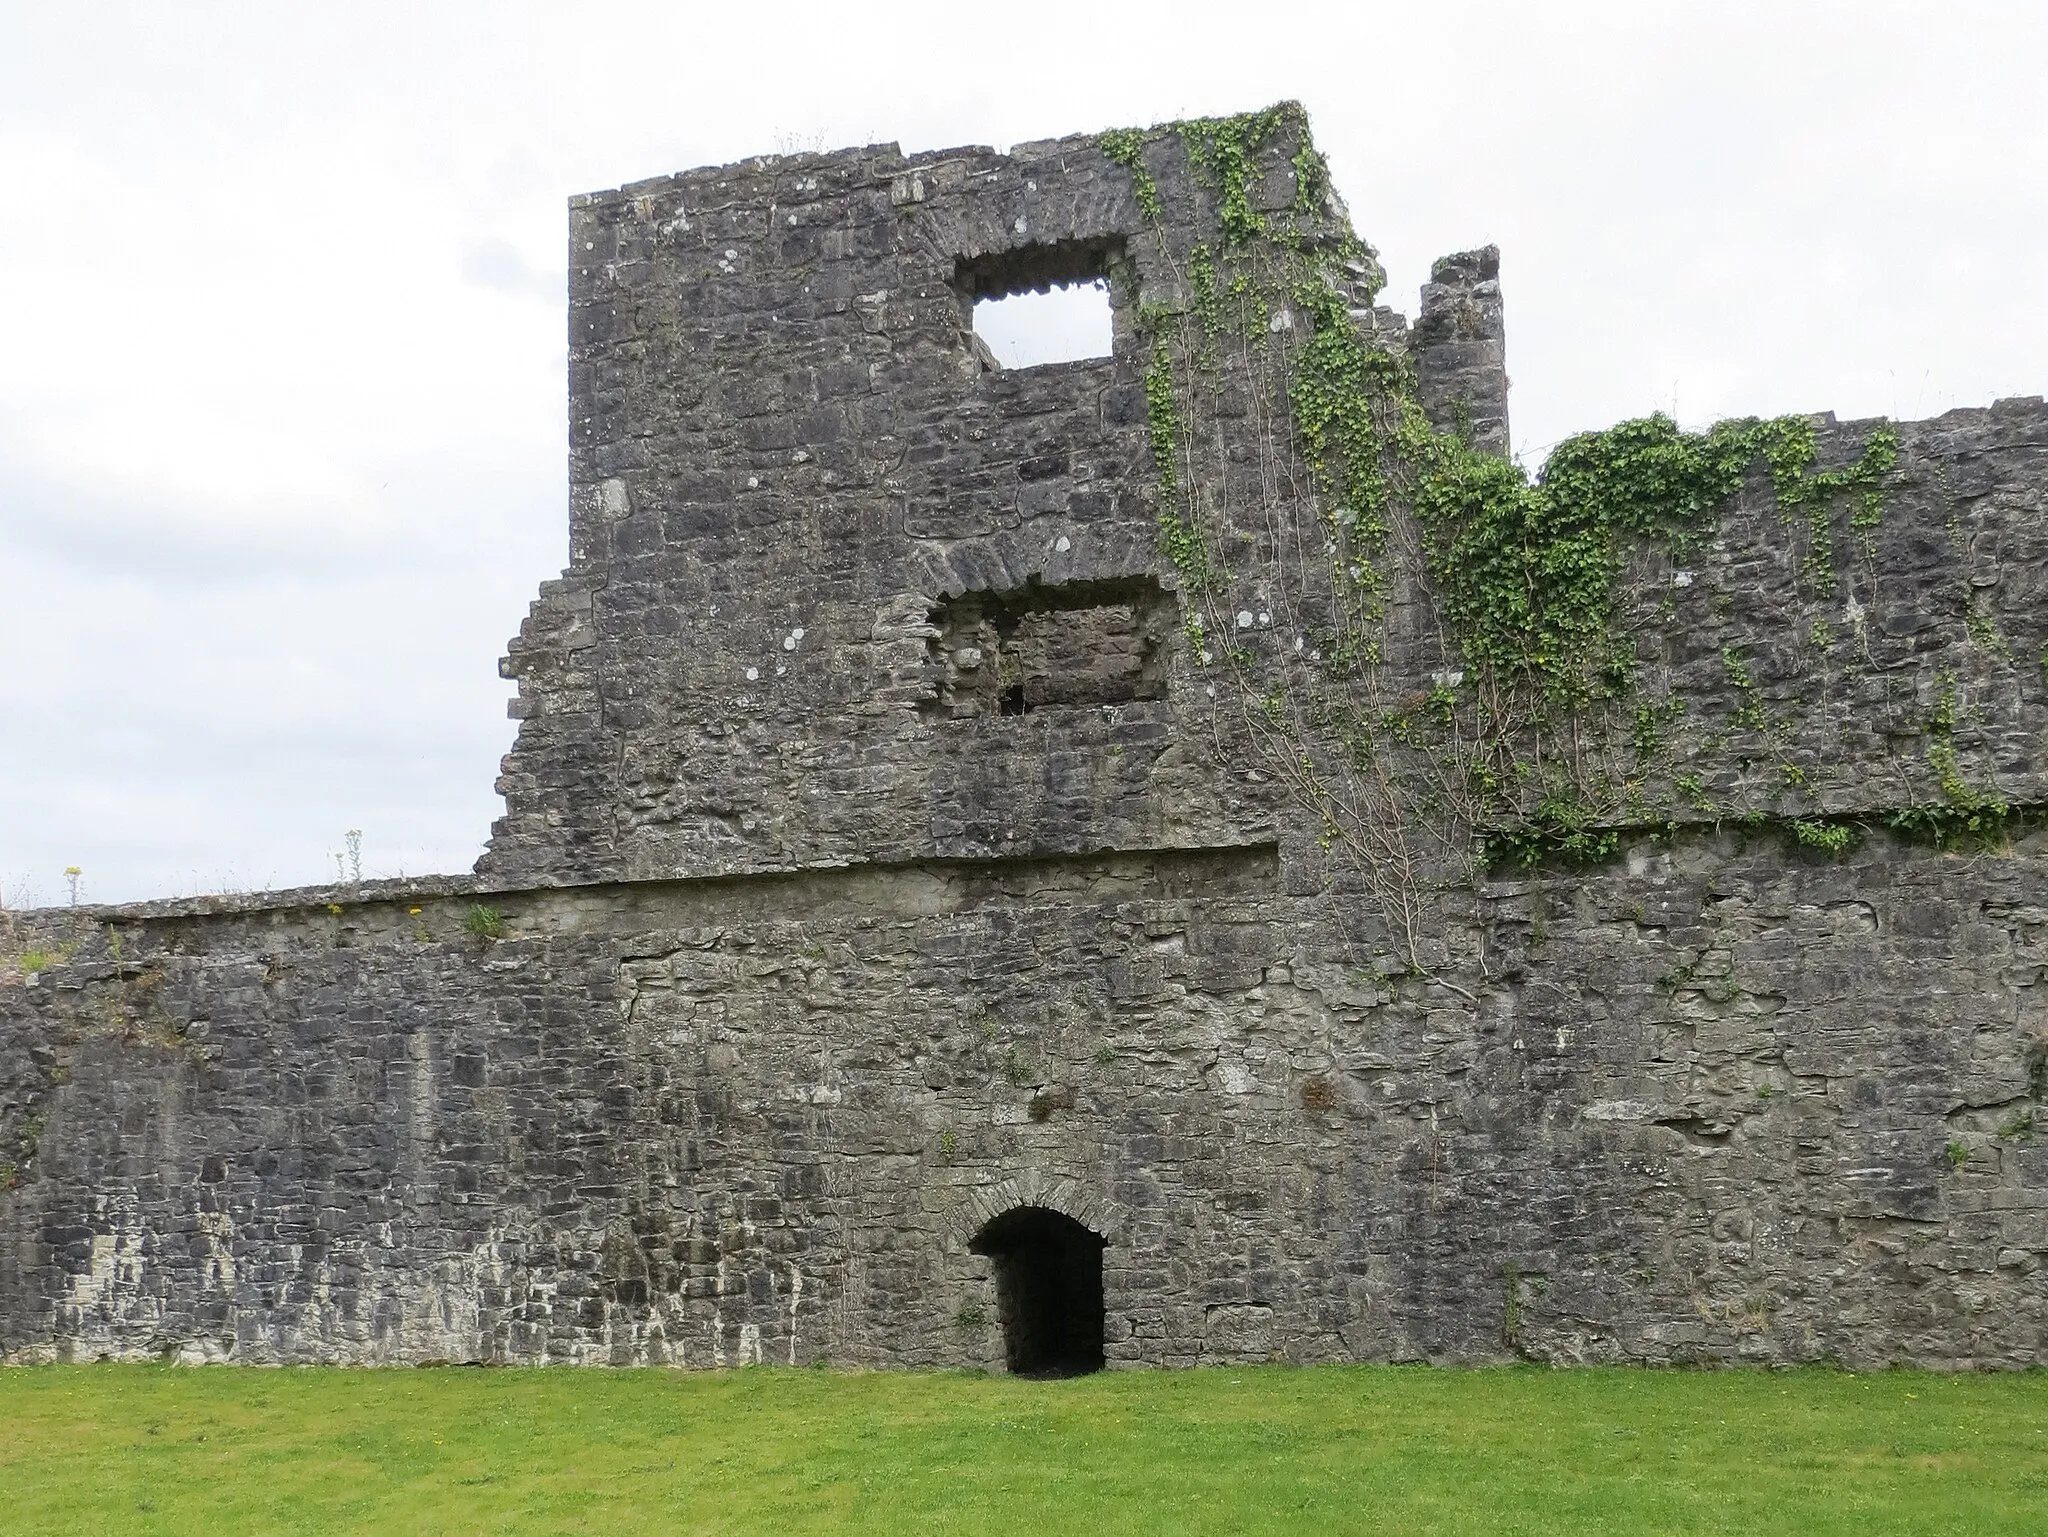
{"points": [[885, 958]]}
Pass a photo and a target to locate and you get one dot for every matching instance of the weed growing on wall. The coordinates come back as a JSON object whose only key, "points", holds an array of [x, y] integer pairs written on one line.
{"points": [[486, 924], [1831, 838]]}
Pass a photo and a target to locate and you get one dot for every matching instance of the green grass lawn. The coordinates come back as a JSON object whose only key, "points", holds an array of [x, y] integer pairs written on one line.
{"points": [[1332, 1449]]}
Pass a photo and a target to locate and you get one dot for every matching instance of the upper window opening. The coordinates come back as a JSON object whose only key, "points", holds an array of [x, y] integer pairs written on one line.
{"points": [[1063, 326], [1041, 303]]}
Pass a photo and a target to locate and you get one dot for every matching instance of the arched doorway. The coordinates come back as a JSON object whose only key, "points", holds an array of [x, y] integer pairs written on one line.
{"points": [[1048, 1272]]}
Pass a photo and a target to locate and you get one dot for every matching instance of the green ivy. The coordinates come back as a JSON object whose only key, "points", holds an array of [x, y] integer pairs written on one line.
{"points": [[1831, 838], [1183, 541], [1797, 488], [1527, 572], [1646, 730], [1126, 147], [1311, 177], [1560, 833], [1967, 817], [1226, 150], [1337, 384], [1208, 305]]}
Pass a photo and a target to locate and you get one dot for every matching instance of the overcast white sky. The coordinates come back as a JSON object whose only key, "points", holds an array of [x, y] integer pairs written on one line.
{"points": [[281, 315]]}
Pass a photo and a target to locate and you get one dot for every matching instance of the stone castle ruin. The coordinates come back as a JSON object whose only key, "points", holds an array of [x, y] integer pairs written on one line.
{"points": [[1179, 856]]}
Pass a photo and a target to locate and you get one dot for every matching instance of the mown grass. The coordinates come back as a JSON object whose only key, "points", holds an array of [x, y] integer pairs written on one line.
{"points": [[1351, 1449]]}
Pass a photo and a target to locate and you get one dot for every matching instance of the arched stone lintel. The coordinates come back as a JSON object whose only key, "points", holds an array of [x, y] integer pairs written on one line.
{"points": [[980, 1206]]}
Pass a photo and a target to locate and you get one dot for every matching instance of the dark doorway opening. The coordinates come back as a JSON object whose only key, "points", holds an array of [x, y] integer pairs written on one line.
{"points": [[1048, 1291]]}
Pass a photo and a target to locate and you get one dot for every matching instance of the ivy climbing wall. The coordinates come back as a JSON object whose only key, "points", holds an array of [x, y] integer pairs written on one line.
{"points": [[1407, 907]]}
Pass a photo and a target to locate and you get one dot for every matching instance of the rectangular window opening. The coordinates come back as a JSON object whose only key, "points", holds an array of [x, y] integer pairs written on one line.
{"points": [[1072, 645], [1041, 304], [1063, 325]]}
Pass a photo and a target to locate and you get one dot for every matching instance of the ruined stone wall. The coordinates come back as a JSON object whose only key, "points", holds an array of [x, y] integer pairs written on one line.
{"points": [[879, 857], [1719, 1104], [1806, 696]]}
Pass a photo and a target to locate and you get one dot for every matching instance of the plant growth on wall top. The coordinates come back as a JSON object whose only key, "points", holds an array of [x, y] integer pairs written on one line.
{"points": [[1270, 386]]}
